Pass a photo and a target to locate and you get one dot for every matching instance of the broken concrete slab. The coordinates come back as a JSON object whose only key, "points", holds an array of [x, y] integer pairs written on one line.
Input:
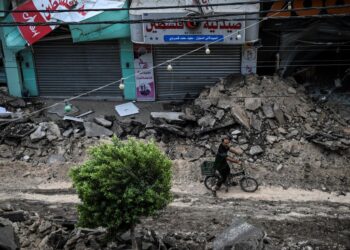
{"points": [[271, 139], [38, 134], [241, 116], [94, 130], [224, 103], [206, 121], [72, 118], [170, 117], [252, 104], [8, 238], [103, 122], [203, 103], [268, 110], [292, 90], [255, 122], [255, 150], [240, 235], [68, 132], [278, 114], [52, 131], [220, 114]]}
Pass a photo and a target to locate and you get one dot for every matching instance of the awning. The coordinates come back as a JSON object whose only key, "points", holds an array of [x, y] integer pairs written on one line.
{"points": [[34, 33]]}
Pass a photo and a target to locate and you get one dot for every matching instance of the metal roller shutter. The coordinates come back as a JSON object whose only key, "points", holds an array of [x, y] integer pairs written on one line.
{"points": [[192, 72], [66, 69]]}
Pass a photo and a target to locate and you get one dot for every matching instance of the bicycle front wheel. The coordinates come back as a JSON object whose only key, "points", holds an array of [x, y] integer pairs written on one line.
{"points": [[211, 181], [248, 184]]}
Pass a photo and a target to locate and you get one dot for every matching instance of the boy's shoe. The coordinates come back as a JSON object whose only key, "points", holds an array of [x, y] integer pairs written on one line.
{"points": [[226, 189]]}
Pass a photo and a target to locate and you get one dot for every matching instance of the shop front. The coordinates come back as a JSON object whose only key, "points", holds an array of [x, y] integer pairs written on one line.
{"points": [[176, 59], [68, 60]]}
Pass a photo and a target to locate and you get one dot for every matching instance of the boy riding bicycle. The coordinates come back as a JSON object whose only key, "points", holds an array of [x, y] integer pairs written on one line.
{"points": [[221, 164]]}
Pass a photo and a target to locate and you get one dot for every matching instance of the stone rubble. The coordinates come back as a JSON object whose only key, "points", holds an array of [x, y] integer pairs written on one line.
{"points": [[262, 115]]}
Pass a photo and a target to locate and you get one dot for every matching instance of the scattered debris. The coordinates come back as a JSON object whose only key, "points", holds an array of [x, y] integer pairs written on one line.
{"points": [[127, 109], [240, 235]]}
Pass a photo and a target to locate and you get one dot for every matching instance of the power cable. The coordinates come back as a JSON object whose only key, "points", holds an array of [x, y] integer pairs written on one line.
{"points": [[121, 80], [13, 24], [145, 8], [193, 18]]}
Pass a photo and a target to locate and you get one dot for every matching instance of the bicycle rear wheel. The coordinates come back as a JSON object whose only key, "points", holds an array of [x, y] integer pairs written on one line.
{"points": [[248, 184], [211, 181]]}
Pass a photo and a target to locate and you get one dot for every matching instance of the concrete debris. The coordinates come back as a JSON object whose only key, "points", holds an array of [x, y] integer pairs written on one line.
{"points": [[252, 103], [269, 131], [220, 114], [292, 90], [268, 111], [94, 130], [224, 103], [241, 116], [8, 238], [38, 134], [278, 114], [203, 103], [72, 118], [35, 232], [240, 235], [255, 150], [206, 121], [170, 117], [103, 122]]}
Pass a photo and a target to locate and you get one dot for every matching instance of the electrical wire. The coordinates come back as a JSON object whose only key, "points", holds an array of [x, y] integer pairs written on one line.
{"points": [[145, 8], [192, 18], [14, 24]]}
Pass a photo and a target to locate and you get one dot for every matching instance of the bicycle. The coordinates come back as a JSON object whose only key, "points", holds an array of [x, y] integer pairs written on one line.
{"points": [[247, 183]]}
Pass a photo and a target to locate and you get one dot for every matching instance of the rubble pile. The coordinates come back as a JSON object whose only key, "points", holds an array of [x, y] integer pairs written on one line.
{"points": [[28, 230], [278, 130], [281, 133]]}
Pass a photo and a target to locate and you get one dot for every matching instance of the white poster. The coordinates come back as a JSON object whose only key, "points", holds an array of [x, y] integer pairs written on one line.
{"points": [[143, 64], [249, 56]]}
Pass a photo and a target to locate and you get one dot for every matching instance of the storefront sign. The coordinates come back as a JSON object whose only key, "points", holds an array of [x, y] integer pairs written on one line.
{"points": [[192, 31], [143, 64], [249, 57], [193, 38], [33, 33]]}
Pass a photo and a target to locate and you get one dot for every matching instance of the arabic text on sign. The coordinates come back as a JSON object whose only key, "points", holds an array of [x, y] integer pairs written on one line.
{"points": [[191, 38]]}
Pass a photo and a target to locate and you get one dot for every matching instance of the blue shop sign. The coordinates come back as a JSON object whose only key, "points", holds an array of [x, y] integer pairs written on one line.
{"points": [[193, 38]]}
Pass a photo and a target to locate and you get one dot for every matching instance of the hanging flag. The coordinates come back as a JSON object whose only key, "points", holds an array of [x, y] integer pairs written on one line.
{"points": [[34, 33]]}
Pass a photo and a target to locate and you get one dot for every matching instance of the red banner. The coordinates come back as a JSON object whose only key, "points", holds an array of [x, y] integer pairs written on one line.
{"points": [[31, 33]]}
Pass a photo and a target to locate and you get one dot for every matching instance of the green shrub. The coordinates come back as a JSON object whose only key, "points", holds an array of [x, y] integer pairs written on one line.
{"points": [[120, 182]]}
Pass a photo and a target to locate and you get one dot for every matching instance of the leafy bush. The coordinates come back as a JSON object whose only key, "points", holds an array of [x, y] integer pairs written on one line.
{"points": [[120, 182]]}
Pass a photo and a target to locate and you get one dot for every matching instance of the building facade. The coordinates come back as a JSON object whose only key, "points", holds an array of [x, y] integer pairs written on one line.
{"points": [[73, 59]]}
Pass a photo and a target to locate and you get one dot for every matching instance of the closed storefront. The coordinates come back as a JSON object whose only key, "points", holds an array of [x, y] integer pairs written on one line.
{"points": [[66, 69], [191, 72], [192, 53]]}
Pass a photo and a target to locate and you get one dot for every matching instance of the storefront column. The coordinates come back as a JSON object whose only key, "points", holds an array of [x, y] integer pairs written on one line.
{"points": [[28, 72], [127, 65], [12, 69]]}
